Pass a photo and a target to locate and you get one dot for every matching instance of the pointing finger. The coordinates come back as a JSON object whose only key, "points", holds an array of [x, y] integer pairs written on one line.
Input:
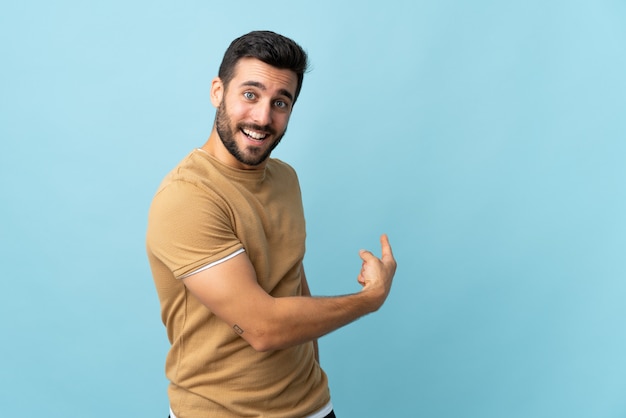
{"points": [[386, 247]]}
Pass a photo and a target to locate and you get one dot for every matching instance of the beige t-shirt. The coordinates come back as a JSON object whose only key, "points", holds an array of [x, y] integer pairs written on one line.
{"points": [[204, 212]]}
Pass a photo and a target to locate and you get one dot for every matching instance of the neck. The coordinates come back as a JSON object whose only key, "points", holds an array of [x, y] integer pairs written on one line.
{"points": [[215, 147]]}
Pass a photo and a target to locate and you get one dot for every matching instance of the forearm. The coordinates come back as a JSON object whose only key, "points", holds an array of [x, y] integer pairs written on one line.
{"points": [[295, 320]]}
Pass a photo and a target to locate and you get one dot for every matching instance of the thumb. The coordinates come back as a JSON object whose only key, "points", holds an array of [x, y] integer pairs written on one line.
{"points": [[366, 255]]}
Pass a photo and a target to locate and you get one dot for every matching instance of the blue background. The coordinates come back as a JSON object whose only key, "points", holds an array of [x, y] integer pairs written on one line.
{"points": [[487, 138]]}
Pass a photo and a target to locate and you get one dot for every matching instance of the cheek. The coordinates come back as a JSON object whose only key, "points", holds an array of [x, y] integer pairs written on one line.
{"points": [[283, 120], [237, 112]]}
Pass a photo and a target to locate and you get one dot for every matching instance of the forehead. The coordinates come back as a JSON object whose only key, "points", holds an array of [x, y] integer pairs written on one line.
{"points": [[251, 70]]}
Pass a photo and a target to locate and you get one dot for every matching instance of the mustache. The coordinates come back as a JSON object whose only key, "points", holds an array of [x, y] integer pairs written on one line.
{"points": [[254, 127]]}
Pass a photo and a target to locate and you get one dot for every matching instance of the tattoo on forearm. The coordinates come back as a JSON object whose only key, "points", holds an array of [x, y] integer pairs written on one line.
{"points": [[237, 329]]}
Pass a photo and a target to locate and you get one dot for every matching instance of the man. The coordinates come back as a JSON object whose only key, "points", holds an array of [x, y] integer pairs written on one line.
{"points": [[226, 239]]}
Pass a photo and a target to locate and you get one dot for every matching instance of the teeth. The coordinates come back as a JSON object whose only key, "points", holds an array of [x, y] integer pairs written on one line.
{"points": [[254, 135]]}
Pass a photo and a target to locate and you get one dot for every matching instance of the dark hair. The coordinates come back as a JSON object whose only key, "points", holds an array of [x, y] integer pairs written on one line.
{"points": [[269, 47]]}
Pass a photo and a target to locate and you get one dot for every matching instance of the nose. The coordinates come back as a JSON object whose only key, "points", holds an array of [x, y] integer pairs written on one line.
{"points": [[262, 114]]}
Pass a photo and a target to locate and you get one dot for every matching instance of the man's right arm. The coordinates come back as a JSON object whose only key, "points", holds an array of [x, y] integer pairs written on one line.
{"points": [[230, 290]]}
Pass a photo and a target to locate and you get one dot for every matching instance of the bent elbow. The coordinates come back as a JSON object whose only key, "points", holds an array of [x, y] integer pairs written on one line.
{"points": [[261, 346], [269, 340], [260, 341]]}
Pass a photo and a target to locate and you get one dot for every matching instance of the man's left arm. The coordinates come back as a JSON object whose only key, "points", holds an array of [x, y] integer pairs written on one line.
{"points": [[306, 291]]}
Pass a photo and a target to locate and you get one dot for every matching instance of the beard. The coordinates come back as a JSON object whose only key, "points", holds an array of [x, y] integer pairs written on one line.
{"points": [[251, 155]]}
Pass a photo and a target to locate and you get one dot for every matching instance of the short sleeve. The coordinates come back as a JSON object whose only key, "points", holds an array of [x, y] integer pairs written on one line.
{"points": [[189, 227]]}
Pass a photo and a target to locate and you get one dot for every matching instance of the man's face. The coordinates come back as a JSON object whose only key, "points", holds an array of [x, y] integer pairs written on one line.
{"points": [[254, 111]]}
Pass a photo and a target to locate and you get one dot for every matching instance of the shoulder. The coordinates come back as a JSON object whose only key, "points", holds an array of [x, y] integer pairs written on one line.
{"points": [[195, 177], [190, 190], [281, 169], [193, 169]]}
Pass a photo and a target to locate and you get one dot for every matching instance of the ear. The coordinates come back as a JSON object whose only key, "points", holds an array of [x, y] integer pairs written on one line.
{"points": [[217, 91]]}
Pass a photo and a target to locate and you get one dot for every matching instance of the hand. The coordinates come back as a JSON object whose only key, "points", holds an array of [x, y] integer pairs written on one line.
{"points": [[377, 273]]}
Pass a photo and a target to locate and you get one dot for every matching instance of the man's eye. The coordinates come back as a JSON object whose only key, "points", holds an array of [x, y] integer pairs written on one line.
{"points": [[280, 104], [248, 95]]}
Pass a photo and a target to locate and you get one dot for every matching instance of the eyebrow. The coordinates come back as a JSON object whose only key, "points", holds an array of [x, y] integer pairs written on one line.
{"points": [[261, 86]]}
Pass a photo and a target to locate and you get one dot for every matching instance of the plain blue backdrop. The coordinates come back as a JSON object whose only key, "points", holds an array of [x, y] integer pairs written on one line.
{"points": [[487, 138]]}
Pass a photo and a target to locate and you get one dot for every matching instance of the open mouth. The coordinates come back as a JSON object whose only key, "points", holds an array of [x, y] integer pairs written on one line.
{"points": [[255, 136]]}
